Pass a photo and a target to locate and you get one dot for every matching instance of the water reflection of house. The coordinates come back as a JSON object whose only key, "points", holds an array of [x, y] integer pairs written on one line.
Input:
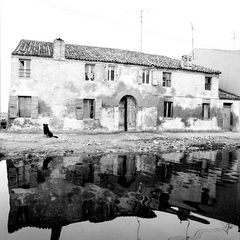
{"points": [[192, 187], [22, 175], [209, 185]]}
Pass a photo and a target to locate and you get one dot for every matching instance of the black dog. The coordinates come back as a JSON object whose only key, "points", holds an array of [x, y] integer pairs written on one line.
{"points": [[47, 132]]}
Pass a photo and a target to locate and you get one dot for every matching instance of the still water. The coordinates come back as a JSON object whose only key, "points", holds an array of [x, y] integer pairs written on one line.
{"points": [[171, 196]]}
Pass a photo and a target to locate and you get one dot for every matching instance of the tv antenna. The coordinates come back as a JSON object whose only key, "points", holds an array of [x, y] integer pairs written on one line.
{"points": [[141, 21], [234, 40], [192, 41]]}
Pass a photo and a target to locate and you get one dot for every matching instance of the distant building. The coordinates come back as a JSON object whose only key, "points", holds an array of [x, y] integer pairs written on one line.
{"points": [[75, 87], [227, 61]]}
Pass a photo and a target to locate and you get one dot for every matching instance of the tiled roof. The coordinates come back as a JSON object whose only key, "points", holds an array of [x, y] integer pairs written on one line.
{"points": [[227, 95], [99, 54]]}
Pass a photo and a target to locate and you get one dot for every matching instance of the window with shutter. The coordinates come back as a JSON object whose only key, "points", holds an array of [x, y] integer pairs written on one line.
{"points": [[208, 83], [168, 109], [206, 111], [111, 73], [24, 68], [167, 79], [89, 72], [146, 76], [88, 108], [24, 106]]}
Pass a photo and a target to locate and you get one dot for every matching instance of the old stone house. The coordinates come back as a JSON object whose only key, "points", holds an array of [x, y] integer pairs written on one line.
{"points": [[85, 88]]}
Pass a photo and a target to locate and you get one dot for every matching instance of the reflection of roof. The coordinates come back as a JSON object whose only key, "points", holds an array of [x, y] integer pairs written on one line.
{"points": [[99, 54], [227, 95]]}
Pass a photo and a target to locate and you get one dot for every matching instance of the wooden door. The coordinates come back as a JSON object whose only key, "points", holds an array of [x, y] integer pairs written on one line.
{"points": [[24, 106], [131, 113], [227, 117], [127, 113]]}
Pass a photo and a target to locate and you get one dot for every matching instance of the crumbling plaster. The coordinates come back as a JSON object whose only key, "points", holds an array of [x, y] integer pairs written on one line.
{"points": [[59, 83]]}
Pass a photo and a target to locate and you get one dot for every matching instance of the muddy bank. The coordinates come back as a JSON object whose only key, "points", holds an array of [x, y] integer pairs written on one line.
{"points": [[18, 144]]}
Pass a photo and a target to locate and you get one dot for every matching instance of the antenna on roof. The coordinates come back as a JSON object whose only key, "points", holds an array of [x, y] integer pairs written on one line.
{"points": [[141, 21], [234, 40], [192, 41]]}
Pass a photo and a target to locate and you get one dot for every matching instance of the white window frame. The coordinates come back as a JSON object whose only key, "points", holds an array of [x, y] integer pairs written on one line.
{"points": [[144, 76], [89, 72], [109, 73], [164, 81], [24, 71]]}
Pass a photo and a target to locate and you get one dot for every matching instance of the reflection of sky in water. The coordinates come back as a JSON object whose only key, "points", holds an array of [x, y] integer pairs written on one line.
{"points": [[200, 181]]}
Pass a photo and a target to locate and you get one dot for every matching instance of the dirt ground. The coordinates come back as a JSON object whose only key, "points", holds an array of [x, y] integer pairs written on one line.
{"points": [[18, 144]]}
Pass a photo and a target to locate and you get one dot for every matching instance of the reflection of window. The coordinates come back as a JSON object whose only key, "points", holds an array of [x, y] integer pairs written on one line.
{"points": [[167, 79], [24, 68], [88, 108], [208, 82], [168, 109], [24, 106], [146, 76], [89, 72], [111, 73], [206, 111]]}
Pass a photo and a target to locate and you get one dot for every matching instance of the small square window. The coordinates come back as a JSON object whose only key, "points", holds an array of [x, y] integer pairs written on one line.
{"points": [[206, 111], [208, 83], [167, 79], [168, 109], [89, 72], [146, 76], [88, 108], [24, 68]]}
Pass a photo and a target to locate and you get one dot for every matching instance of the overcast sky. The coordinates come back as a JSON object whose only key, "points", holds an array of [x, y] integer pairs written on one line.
{"points": [[166, 26]]}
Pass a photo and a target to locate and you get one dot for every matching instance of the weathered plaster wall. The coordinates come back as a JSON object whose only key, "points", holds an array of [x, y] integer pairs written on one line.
{"points": [[58, 84]]}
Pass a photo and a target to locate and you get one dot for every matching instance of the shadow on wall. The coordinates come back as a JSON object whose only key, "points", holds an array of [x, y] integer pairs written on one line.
{"points": [[44, 109], [186, 113], [195, 113]]}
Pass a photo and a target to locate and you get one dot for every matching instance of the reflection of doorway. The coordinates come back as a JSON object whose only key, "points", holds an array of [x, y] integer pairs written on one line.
{"points": [[227, 116], [127, 113]]}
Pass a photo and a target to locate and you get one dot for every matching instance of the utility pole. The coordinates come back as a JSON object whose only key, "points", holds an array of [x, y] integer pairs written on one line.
{"points": [[141, 21], [192, 41]]}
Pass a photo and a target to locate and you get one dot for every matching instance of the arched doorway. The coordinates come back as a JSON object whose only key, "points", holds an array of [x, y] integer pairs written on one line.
{"points": [[127, 113]]}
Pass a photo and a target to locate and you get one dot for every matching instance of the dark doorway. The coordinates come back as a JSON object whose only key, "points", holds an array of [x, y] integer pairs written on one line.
{"points": [[127, 113]]}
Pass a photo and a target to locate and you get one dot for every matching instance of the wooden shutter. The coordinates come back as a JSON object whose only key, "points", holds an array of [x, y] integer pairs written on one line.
{"points": [[98, 108], [156, 77], [34, 107], [13, 107], [79, 109], [139, 76], [116, 72], [106, 73]]}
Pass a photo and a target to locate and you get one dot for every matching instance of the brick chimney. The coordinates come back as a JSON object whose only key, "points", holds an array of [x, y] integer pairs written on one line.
{"points": [[186, 61], [58, 49]]}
